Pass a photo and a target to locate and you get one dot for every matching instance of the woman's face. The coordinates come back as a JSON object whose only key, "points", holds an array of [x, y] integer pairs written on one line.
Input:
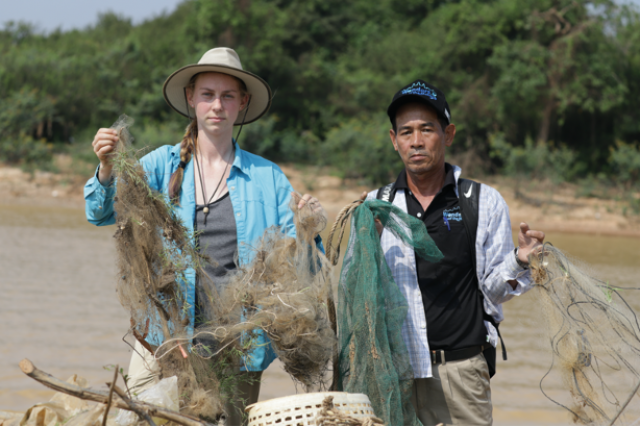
{"points": [[217, 99]]}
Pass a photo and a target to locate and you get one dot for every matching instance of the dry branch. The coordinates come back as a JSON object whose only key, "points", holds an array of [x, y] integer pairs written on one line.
{"points": [[135, 408], [106, 410], [97, 396]]}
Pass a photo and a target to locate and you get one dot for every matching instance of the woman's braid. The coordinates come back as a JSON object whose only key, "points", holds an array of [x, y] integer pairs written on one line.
{"points": [[187, 146]]}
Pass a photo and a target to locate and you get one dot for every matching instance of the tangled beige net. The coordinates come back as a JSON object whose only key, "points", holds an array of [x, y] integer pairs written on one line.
{"points": [[594, 336], [154, 253], [281, 293], [329, 415]]}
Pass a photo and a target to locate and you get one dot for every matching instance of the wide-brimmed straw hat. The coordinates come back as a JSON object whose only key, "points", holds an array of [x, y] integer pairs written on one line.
{"points": [[220, 60]]}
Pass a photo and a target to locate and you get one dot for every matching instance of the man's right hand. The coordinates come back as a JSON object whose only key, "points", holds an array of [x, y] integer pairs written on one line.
{"points": [[104, 144]]}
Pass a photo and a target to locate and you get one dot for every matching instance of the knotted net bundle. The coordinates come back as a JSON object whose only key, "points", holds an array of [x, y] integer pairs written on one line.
{"points": [[154, 255], [282, 293], [594, 336], [373, 357]]}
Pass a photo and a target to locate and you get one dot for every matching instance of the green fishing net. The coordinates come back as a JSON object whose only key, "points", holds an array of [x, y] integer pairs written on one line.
{"points": [[373, 358]]}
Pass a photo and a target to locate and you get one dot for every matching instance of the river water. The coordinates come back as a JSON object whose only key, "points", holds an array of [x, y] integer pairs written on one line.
{"points": [[58, 308]]}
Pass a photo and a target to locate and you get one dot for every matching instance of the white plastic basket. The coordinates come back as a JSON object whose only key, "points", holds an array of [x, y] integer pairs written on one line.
{"points": [[302, 409]]}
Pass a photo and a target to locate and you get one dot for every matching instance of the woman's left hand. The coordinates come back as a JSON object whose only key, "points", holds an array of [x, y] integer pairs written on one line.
{"points": [[313, 203]]}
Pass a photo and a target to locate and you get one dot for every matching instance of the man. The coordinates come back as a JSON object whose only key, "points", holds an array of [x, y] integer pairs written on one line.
{"points": [[455, 303]]}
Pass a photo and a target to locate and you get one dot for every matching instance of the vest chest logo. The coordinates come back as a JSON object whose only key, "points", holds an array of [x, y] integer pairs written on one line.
{"points": [[452, 214]]}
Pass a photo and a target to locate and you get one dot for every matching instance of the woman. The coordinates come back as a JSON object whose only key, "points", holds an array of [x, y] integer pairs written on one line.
{"points": [[229, 195]]}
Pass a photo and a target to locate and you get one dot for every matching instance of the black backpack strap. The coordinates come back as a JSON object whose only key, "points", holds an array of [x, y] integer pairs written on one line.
{"points": [[469, 196], [386, 193]]}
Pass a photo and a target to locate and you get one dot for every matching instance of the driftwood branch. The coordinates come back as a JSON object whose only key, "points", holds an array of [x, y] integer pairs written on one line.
{"points": [[106, 410], [101, 397]]}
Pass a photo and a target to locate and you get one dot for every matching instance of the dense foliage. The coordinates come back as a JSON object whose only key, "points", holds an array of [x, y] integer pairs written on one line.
{"points": [[556, 78]]}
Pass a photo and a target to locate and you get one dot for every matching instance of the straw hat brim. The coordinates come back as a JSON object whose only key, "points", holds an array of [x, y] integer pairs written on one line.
{"points": [[258, 89]]}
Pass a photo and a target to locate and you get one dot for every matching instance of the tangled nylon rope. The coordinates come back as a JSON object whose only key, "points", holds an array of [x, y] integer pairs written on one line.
{"points": [[333, 252], [333, 255]]}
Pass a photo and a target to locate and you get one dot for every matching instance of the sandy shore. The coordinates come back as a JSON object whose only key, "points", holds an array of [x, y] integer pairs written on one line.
{"points": [[544, 206]]}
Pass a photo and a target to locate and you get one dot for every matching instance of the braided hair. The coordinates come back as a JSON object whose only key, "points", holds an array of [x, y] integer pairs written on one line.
{"points": [[187, 146]]}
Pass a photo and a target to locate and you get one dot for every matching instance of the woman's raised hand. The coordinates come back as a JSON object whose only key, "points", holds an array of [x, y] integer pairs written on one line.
{"points": [[104, 144]]}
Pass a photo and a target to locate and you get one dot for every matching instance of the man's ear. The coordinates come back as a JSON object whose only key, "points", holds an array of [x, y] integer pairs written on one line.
{"points": [[392, 135], [449, 134]]}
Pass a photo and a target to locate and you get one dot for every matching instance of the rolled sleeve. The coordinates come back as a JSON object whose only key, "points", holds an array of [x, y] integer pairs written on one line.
{"points": [[512, 271], [494, 253], [99, 201]]}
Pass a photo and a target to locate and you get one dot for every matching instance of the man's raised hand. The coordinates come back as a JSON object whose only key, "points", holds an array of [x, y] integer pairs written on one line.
{"points": [[529, 241]]}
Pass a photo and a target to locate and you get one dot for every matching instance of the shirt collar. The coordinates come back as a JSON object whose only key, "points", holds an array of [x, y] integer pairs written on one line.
{"points": [[449, 178], [237, 161]]}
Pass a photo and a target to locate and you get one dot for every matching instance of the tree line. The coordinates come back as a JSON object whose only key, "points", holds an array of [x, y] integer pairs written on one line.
{"points": [[558, 80]]}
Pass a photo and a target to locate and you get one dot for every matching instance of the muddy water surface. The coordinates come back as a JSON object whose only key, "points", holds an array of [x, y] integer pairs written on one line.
{"points": [[58, 307]]}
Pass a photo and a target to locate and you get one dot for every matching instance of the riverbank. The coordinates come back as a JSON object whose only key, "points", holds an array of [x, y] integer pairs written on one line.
{"points": [[61, 271], [543, 205]]}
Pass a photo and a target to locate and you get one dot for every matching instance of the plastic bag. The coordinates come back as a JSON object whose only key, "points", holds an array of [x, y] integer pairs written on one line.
{"points": [[10, 418], [164, 393], [58, 409], [91, 417]]}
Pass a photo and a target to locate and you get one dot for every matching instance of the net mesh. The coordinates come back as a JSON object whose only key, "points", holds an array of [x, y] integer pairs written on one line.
{"points": [[594, 336], [281, 293], [373, 358], [154, 252]]}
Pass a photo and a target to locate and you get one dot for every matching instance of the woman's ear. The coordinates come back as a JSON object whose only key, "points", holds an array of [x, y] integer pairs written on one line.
{"points": [[189, 91], [244, 101]]}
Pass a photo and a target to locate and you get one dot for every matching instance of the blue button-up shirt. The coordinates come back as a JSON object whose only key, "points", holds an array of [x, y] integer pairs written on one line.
{"points": [[259, 192]]}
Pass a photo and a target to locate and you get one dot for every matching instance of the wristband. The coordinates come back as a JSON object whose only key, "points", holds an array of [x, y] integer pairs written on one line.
{"points": [[523, 265]]}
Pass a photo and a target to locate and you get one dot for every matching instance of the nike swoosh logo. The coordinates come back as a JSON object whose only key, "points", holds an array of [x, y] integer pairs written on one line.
{"points": [[468, 193]]}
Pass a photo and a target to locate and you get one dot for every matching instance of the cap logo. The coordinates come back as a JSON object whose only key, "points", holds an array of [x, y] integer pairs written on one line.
{"points": [[420, 89]]}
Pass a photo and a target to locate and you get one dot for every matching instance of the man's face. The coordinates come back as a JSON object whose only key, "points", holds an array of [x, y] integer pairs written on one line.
{"points": [[420, 140]]}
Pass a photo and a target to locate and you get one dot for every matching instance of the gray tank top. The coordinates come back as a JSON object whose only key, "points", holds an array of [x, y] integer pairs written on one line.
{"points": [[218, 238]]}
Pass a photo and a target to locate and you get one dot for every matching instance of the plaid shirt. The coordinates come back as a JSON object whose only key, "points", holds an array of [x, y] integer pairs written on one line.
{"points": [[496, 264]]}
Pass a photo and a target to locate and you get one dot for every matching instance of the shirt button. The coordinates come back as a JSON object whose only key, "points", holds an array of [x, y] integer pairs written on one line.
{"points": [[238, 214], [419, 215], [424, 327], [233, 188], [410, 193]]}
